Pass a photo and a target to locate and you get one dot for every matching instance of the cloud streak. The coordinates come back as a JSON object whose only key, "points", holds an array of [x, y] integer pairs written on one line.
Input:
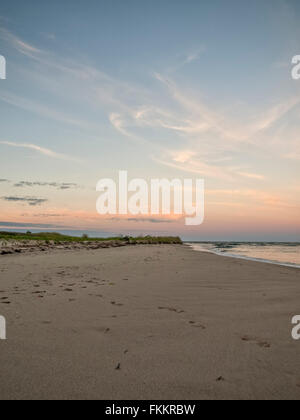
{"points": [[20, 45], [41, 150], [142, 220], [4, 224], [32, 201], [59, 186]]}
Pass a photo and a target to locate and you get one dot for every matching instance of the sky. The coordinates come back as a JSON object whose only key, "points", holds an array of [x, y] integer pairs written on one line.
{"points": [[162, 89]]}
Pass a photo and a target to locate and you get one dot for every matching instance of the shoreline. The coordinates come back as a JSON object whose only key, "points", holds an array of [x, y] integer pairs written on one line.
{"points": [[147, 322], [242, 257]]}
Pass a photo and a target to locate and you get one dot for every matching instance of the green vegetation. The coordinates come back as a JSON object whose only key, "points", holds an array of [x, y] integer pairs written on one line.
{"points": [[58, 238], [154, 240]]}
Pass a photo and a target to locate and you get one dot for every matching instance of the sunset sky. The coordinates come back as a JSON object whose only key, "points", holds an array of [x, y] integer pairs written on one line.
{"points": [[163, 89]]}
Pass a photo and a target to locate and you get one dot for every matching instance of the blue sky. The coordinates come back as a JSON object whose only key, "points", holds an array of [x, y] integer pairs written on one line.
{"points": [[162, 89]]}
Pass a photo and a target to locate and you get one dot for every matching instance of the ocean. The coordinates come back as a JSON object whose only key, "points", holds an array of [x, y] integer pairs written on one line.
{"points": [[275, 253]]}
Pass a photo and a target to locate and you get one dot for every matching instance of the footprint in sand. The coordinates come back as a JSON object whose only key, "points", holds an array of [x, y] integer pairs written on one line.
{"points": [[178, 311], [116, 304], [264, 344], [91, 294], [197, 325], [260, 343], [101, 330]]}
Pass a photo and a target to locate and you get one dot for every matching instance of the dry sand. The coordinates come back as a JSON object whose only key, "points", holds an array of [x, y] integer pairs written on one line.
{"points": [[147, 322]]}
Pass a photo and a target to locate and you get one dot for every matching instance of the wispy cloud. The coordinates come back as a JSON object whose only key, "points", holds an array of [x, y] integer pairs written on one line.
{"points": [[274, 114], [186, 58], [251, 175], [194, 55], [42, 150], [246, 197], [20, 45], [209, 140], [82, 83], [43, 110]]}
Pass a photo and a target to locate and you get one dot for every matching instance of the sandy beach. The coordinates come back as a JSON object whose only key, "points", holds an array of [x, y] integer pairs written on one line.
{"points": [[147, 322]]}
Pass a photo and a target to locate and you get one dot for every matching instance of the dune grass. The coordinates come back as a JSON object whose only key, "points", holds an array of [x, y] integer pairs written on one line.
{"points": [[58, 237]]}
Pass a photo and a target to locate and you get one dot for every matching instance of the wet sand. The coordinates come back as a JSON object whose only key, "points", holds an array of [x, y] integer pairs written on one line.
{"points": [[147, 322]]}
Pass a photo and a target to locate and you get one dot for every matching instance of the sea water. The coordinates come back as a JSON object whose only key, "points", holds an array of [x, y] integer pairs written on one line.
{"points": [[277, 253]]}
